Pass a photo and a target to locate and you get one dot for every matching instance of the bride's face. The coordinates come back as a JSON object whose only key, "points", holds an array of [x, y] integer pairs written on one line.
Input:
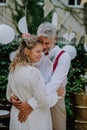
{"points": [[35, 53]]}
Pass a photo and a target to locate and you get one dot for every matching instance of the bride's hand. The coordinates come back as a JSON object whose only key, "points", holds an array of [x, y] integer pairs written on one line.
{"points": [[61, 91]]}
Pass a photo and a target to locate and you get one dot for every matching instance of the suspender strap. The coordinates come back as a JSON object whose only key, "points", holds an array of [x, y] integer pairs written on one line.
{"points": [[57, 59]]}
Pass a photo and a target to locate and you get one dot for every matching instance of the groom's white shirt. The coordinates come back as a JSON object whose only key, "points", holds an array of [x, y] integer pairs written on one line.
{"points": [[58, 78]]}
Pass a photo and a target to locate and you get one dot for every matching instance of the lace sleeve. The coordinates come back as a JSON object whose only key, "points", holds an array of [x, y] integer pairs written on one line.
{"points": [[39, 90]]}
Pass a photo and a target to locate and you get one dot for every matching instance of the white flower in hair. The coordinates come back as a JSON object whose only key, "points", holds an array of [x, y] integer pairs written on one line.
{"points": [[25, 36]]}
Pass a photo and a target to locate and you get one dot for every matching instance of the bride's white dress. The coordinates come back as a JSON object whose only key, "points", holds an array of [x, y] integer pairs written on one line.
{"points": [[27, 82]]}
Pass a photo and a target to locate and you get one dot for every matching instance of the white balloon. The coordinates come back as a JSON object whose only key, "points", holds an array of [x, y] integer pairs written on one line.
{"points": [[6, 34], [55, 19], [12, 55], [71, 50], [22, 25], [85, 46]]}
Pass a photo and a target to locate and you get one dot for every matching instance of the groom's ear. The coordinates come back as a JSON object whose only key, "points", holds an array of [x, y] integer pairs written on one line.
{"points": [[56, 38]]}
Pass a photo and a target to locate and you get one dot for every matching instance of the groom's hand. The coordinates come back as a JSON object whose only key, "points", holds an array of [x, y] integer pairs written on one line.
{"points": [[15, 101], [25, 111]]}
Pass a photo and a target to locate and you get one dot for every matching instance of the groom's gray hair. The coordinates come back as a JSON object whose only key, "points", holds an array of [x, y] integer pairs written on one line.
{"points": [[46, 29]]}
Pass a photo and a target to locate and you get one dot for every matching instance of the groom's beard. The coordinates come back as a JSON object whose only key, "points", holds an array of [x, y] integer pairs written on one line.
{"points": [[46, 51]]}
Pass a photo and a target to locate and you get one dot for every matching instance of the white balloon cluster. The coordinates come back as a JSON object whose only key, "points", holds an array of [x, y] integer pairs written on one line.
{"points": [[55, 19], [71, 50], [22, 25], [12, 55], [6, 34]]}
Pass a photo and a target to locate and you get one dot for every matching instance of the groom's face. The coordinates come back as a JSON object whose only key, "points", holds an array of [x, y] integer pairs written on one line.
{"points": [[47, 44]]}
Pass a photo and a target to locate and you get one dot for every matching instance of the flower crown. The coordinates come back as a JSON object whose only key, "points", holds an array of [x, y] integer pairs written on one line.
{"points": [[28, 39], [25, 36]]}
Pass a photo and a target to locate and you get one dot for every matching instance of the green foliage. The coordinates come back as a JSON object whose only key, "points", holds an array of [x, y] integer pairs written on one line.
{"points": [[5, 51], [75, 82], [34, 15], [29, 8]]}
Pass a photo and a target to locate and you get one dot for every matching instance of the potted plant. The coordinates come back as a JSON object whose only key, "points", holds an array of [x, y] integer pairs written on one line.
{"points": [[84, 79]]}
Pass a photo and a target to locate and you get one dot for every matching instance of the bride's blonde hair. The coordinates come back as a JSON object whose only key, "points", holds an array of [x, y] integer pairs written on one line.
{"points": [[21, 58]]}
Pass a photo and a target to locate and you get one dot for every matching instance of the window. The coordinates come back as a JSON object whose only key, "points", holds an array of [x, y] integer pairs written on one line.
{"points": [[71, 2], [2, 2], [74, 3]]}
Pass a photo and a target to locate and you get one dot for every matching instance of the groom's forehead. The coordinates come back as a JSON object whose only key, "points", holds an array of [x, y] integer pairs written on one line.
{"points": [[46, 40]]}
